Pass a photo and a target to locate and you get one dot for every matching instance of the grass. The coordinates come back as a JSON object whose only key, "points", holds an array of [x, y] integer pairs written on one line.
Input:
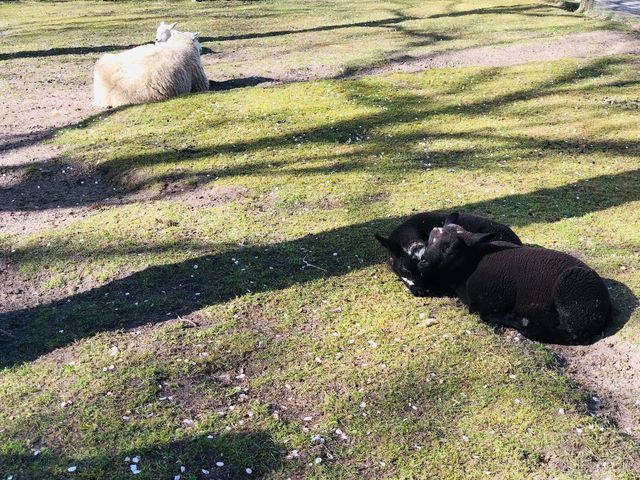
{"points": [[265, 318]]}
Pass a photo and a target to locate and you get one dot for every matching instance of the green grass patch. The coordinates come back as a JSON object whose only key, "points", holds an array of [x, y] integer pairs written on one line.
{"points": [[262, 330]]}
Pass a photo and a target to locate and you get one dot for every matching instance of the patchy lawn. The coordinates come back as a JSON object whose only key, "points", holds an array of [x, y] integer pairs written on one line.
{"points": [[232, 310]]}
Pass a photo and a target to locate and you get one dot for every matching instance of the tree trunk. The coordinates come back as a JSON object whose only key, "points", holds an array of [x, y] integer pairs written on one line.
{"points": [[585, 6]]}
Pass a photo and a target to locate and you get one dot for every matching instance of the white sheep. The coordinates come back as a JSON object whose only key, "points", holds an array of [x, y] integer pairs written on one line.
{"points": [[165, 30], [149, 73]]}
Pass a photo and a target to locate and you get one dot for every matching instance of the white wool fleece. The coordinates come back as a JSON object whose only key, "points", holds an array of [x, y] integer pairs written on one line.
{"points": [[149, 73]]}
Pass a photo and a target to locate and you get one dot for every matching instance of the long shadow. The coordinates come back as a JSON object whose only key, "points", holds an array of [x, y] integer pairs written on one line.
{"points": [[522, 9], [54, 52], [257, 449], [238, 83], [163, 292], [324, 28]]}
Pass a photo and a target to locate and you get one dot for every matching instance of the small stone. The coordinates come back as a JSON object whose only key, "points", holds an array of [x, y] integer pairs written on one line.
{"points": [[72, 469], [318, 460], [136, 459], [293, 454], [219, 464], [561, 411], [205, 472], [248, 470]]}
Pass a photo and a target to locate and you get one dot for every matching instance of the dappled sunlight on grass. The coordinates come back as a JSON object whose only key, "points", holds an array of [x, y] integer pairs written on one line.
{"points": [[234, 307]]}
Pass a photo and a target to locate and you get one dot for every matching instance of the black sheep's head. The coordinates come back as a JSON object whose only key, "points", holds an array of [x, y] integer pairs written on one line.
{"points": [[449, 247], [404, 263]]}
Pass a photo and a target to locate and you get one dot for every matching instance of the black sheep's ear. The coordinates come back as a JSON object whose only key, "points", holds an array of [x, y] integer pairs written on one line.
{"points": [[388, 244], [476, 238], [451, 218]]}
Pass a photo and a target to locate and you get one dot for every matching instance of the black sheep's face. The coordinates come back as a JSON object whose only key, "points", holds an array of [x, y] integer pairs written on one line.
{"points": [[445, 248], [407, 269], [404, 263], [450, 247]]}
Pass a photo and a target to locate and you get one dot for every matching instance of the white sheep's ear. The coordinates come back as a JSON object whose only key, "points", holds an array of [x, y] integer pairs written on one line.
{"points": [[173, 25], [195, 35]]}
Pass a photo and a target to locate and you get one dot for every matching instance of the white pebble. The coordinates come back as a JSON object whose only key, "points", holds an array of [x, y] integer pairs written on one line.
{"points": [[248, 470], [135, 459], [72, 469], [205, 472], [318, 460], [561, 411], [373, 344], [219, 464], [134, 469]]}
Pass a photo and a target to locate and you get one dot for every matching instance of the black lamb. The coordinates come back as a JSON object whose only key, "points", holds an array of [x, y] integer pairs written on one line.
{"points": [[546, 294], [407, 244]]}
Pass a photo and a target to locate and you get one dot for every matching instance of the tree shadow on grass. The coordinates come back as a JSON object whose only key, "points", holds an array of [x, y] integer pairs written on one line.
{"points": [[54, 52], [322, 28], [165, 292], [238, 450], [527, 9], [238, 83], [397, 109]]}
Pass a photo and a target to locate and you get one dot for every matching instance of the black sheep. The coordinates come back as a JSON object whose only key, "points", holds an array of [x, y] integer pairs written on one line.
{"points": [[407, 243], [546, 294]]}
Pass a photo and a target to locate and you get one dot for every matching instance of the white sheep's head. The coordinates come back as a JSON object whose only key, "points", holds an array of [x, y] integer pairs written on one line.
{"points": [[193, 36], [164, 31]]}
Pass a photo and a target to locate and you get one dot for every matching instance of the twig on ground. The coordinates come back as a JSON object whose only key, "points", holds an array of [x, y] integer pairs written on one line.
{"points": [[307, 264]]}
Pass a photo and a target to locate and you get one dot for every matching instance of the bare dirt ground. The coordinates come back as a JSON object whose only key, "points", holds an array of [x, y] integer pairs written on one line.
{"points": [[58, 193], [609, 369], [589, 44]]}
